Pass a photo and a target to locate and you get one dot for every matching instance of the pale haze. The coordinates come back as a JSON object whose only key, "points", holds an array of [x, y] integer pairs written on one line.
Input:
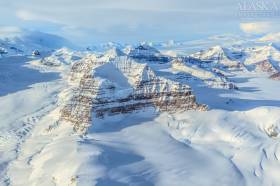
{"points": [[91, 21]]}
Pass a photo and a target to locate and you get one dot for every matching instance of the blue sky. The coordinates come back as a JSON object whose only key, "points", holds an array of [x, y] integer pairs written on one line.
{"points": [[91, 21]]}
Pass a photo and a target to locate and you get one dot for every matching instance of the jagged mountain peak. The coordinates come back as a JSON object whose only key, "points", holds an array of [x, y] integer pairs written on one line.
{"points": [[120, 86], [113, 53], [61, 57], [217, 48], [144, 50], [148, 53], [262, 53], [145, 46], [220, 53], [135, 72], [221, 57]]}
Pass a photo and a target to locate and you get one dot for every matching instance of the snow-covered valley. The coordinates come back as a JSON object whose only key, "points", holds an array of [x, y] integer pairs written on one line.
{"points": [[138, 116]]}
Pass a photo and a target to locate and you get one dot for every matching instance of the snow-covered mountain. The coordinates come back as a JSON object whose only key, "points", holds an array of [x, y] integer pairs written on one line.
{"points": [[213, 77], [260, 59], [220, 57], [263, 59], [147, 53], [262, 53], [122, 86], [62, 56], [102, 47], [112, 54], [25, 42], [134, 115], [272, 37]]}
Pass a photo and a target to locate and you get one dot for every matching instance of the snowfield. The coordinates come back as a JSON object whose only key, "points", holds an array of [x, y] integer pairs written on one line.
{"points": [[234, 143]]}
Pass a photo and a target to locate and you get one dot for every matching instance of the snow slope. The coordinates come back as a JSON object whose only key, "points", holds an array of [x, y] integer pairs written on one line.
{"points": [[149, 148], [26, 96]]}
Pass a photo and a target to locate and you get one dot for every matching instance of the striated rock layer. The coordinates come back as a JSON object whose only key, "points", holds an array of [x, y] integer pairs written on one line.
{"points": [[265, 66], [118, 86], [275, 76]]}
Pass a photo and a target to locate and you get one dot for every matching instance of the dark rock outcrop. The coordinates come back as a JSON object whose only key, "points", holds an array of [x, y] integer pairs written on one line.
{"points": [[265, 66], [148, 53], [275, 76]]}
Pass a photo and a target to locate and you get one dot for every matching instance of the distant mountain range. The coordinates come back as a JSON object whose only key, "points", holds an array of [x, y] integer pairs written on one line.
{"points": [[139, 114], [25, 42]]}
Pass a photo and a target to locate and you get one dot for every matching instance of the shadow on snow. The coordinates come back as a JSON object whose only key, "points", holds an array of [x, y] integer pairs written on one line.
{"points": [[14, 76]]}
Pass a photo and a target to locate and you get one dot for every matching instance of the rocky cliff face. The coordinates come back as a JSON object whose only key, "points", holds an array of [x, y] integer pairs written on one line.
{"points": [[275, 76], [78, 110], [263, 59], [141, 89], [265, 66], [148, 53], [121, 86]]}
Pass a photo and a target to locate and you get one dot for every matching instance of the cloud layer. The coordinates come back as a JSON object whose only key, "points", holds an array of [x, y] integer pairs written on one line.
{"points": [[127, 20], [9, 31], [256, 27], [261, 27]]}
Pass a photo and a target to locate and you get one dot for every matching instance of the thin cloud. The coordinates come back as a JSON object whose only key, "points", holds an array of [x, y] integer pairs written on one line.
{"points": [[255, 27], [259, 27], [129, 20], [9, 31]]}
